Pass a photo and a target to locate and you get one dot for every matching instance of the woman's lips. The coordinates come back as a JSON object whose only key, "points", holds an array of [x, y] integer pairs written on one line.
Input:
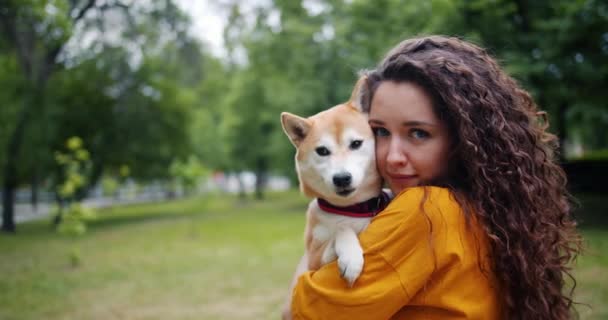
{"points": [[402, 178]]}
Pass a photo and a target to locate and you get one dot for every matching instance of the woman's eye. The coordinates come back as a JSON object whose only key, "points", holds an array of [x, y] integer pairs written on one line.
{"points": [[380, 132], [322, 151], [356, 144], [419, 134]]}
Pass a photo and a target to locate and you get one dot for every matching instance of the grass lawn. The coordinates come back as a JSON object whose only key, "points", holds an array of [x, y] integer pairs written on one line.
{"points": [[200, 258]]}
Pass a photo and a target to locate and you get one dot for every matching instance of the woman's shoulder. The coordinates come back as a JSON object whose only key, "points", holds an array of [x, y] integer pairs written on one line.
{"points": [[430, 199], [419, 216], [414, 213]]}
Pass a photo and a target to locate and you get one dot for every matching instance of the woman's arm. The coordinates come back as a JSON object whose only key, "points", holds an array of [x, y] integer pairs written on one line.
{"points": [[377, 294], [403, 246]]}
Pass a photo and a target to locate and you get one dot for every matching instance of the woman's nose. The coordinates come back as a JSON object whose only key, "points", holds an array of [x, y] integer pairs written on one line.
{"points": [[396, 153]]}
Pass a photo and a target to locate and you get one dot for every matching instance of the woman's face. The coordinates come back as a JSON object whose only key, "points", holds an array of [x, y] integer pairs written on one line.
{"points": [[412, 143]]}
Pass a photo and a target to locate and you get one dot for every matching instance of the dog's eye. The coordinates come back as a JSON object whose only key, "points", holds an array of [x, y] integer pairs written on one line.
{"points": [[322, 151], [356, 144]]}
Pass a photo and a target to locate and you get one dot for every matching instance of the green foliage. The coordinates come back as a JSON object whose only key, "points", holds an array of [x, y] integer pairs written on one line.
{"points": [[559, 51], [73, 164], [111, 181], [10, 82], [307, 60], [143, 125], [129, 94], [147, 94], [109, 185], [188, 173], [74, 219]]}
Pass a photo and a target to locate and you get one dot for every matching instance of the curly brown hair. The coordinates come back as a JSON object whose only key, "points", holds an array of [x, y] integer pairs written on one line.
{"points": [[503, 168]]}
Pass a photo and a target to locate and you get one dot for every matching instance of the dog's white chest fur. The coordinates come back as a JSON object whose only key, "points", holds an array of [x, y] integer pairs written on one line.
{"points": [[329, 224], [340, 234]]}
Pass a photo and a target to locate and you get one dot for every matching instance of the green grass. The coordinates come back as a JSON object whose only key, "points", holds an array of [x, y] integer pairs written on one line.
{"points": [[591, 275], [591, 272], [199, 258], [205, 258]]}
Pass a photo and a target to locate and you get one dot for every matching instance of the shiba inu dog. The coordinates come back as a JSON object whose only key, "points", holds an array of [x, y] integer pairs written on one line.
{"points": [[335, 163]]}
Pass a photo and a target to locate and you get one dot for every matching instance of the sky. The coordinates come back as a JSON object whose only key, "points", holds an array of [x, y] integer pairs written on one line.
{"points": [[209, 18], [208, 22]]}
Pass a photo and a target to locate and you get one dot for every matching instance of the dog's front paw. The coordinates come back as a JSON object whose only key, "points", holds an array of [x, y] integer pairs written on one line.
{"points": [[351, 266]]}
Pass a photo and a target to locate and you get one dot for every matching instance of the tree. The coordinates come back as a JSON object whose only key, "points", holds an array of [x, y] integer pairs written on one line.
{"points": [[36, 40], [140, 95], [269, 81], [557, 49]]}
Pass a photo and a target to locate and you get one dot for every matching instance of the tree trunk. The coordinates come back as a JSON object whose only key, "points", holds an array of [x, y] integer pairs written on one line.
{"points": [[58, 218], [10, 169], [260, 182], [8, 201], [260, 178], [34, 190], [9, 188]]}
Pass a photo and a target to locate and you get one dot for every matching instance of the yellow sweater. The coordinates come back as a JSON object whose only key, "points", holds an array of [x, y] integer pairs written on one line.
{"points": [[422, 261]]}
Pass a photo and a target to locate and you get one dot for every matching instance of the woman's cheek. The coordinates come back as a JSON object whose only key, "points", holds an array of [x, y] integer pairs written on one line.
{"points": [[381, 157]]}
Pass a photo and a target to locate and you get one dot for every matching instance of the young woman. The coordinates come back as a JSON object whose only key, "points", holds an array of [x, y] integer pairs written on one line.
{"points": [[480, 227]]}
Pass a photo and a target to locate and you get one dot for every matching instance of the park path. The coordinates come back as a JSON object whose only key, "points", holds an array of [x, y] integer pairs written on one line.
{"points": [[26, 212], [153, 192]]}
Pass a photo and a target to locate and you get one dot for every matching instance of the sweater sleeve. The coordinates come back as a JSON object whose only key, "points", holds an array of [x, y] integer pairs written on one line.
{"points": [[402, 249]]}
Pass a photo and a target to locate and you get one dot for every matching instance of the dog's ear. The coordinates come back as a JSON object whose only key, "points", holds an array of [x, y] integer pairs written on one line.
{"points": [[360, 96], [295, 127]]}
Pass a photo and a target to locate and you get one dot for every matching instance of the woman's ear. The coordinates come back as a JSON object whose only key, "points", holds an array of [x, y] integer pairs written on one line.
{"points": [[360, 96], [295, 127]]}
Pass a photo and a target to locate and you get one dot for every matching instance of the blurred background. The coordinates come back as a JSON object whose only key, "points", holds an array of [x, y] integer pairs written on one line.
{"points": [[144, 170]]}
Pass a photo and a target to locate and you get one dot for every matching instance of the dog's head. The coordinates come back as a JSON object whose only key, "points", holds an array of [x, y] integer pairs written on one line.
{"points": [[335, 157]]}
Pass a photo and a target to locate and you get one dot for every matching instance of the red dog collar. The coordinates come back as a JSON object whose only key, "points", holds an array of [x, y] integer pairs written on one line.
{"points": [[365, 209]]}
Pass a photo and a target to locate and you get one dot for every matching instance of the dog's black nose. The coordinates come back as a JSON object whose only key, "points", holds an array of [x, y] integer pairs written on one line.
{"points": [[342, 180]]}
